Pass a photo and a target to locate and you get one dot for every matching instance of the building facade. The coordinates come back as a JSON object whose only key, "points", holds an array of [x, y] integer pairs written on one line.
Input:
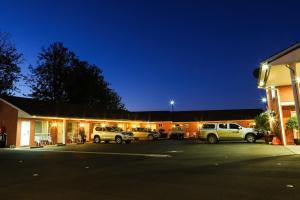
{"points": [[36, 123], [279, 76]]}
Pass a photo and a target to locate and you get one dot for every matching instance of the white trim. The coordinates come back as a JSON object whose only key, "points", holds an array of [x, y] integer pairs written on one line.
{"points": [[290, 103], [91, 119], [281, 118]]}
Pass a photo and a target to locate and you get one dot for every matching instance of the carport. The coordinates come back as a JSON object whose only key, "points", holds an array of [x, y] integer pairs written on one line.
{"points": [[279, 75]]}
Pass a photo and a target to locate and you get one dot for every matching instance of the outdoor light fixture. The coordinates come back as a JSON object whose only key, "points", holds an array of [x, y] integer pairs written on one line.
{"points": [[261, 83], [54, 124], [172, 103], [103, 125], [133, 126], [265, 66], [264, 99], [81, 125]]}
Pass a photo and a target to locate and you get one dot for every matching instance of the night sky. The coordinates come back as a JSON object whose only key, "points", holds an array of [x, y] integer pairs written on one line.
{"points": [[199, 53]]}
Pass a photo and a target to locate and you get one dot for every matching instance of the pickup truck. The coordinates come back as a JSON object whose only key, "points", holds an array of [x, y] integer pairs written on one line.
{"points": [[214, 132]]}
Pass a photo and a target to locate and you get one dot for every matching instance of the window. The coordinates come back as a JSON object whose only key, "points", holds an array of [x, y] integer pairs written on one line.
{"points": [[208, 126], [223, 126], [234, 126], [99, 128]]}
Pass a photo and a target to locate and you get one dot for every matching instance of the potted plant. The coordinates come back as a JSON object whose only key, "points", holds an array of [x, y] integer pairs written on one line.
{"points": [[292, 124], [262, 124], [276, 130]]}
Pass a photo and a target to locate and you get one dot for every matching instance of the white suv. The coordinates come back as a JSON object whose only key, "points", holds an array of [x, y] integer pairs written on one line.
{"points": [[107, 134]]}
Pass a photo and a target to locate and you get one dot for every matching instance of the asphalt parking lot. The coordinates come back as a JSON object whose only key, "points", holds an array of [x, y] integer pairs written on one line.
{"points": [[151, 170]]}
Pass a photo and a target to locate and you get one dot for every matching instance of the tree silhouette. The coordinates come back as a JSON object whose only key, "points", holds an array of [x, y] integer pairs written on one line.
{"points": [[9, 65], [61, 77]]}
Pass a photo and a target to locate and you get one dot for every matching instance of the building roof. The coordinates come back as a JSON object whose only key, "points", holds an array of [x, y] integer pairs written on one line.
{"points": [[282, 53], [50, 109]]}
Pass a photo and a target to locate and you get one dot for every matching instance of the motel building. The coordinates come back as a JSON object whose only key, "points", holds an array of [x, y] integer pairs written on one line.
{"points": [[33, 123], [279, 76]]}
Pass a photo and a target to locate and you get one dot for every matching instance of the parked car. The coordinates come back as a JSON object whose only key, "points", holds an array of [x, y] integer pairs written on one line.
{"points": [[144, 133], [108, 134], [177, 133], [214, 132], [162, 133]]}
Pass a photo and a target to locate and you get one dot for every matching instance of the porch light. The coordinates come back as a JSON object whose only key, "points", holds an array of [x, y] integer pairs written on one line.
{"points": [[264, 99], [148, 125], [265, 66], [120, 125], [54, 124], [103, 125], [261, 83], [81, 125], [133, 126]]}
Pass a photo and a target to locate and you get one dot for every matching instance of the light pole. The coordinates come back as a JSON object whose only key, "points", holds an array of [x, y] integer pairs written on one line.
{"points": [[172, 102]]}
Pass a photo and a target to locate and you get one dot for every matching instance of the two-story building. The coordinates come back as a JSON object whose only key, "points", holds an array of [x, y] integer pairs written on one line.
{"points": [[279, 76]]}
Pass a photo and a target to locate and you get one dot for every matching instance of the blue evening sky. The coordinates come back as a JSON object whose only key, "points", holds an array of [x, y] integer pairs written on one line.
{"points": [[199, 53]]}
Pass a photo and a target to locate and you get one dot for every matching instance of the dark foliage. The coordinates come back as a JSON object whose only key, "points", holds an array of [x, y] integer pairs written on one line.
{"points": [[61, 77], [255, 73], [9, 65], [47, 78]]}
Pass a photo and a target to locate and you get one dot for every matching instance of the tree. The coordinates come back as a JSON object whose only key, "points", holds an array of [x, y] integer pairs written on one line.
{"points": [[62, 77], [47, 78], [85, 84], [10, 60]]}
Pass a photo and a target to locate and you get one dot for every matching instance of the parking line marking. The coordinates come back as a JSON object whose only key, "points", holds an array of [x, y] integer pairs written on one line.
{"points": [[104, 153]]}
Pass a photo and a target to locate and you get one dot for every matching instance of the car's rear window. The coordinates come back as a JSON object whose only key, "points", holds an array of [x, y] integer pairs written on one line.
{"points": [[208, 126]]}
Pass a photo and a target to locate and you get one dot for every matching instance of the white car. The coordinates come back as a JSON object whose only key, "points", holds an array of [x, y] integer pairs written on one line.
{"points": [[144, 133], [214, 132], [108, 134]]}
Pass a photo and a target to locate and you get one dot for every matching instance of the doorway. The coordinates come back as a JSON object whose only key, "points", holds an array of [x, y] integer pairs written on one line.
{"points": [[25, 133]]}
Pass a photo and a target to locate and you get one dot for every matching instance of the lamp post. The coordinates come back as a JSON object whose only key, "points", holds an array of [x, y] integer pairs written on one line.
{"points": [[172, 102]]}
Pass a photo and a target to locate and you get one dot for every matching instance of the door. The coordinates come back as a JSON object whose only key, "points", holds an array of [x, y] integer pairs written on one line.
{"points": [[235, 131], [60, 137], [25, 133], [223, 131]]}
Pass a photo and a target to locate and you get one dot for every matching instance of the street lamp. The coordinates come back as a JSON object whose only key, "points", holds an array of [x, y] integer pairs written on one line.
{"points": [[172, 102]]}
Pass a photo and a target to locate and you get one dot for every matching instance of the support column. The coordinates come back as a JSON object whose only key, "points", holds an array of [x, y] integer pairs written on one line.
{"points": [[64, 134], [295, 87], [281, 118]]}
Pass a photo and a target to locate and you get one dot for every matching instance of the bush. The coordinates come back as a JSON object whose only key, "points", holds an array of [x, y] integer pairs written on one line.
{"points": [[262, 122], [292, 123]]}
